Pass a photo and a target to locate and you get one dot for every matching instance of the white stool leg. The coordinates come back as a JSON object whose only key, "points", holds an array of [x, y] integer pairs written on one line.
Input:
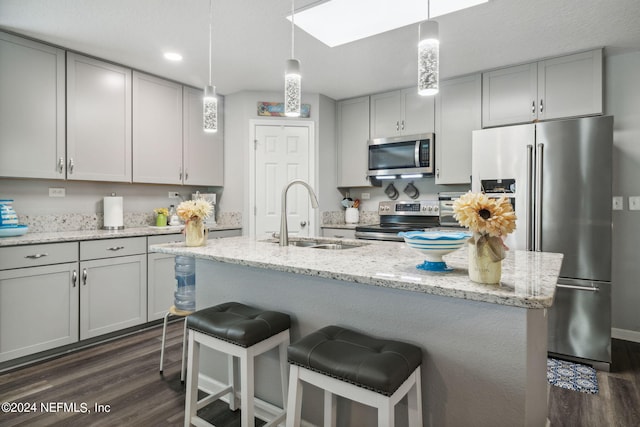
{"points": [[386, 414], [191, 400], [233, 382], [330, 402], [164, 336], [284, 366], [247, 392], [294, 404], [414, 400], [184, 351]]}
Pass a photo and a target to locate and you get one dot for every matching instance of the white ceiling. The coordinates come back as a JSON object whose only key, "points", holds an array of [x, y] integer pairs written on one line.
{"points": [[252, 39]]}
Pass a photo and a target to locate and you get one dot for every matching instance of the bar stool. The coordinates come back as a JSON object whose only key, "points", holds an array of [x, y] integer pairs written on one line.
{"points": [[372, 371], [241, 332]]}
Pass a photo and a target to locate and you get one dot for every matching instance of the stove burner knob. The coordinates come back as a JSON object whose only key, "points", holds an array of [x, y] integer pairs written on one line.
{"points": [[435, 209]]}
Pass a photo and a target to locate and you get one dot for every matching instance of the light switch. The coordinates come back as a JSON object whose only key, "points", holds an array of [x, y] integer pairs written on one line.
{"points": [[617, 203], [634, 203]]}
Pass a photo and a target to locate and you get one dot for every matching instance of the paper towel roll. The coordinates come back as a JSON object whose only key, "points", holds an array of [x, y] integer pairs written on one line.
{"points": [[113, 213]]}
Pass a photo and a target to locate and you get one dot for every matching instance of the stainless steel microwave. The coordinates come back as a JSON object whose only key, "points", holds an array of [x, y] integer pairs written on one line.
{"points": [[402, 156]]}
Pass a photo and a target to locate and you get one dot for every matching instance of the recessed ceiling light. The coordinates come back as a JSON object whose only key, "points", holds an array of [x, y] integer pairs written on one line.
{"points": [[173, 56], [336, 22]]}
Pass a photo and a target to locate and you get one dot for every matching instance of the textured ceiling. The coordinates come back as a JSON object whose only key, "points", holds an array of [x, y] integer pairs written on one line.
{"points": [[252, 39]]}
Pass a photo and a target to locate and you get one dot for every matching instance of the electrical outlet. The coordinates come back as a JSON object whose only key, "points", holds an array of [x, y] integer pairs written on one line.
{"points": [[57, 192], [617, 203], [365, 196], [634, 203], [173, 194]]}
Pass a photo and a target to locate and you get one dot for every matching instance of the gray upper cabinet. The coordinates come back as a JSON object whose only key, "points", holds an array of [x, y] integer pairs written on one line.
{"points": [[401, 112], [32, 109], [203, 152], [157, 130], [567, 86], [353, 136], [458, 113], [98, 120]]}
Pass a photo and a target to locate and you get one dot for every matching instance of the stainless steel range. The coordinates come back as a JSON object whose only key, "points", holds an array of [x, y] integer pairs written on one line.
{"points": [[396, 216]]}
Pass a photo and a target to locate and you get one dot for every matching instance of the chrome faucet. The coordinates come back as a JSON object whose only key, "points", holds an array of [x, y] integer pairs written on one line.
{"points": [[284, 232]]}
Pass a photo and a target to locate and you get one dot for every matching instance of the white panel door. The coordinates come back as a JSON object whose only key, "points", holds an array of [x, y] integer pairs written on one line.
{"points": [[282, 154]]}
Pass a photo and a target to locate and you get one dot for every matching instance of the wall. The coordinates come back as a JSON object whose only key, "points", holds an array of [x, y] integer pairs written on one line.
{"points": [[622, 100], [240, 108], [31, 196]]}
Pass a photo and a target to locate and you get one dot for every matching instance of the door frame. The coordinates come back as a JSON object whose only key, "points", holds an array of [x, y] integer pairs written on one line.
{"points": [[310, 125]]}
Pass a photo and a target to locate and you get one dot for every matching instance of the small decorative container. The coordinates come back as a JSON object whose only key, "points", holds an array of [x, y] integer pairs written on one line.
{"points": [[161, 220], [434, 245], [482, 269], [195, 233], [351, 215]]}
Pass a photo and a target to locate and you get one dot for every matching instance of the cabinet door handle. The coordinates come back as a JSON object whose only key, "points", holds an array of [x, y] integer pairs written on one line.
{"points": [[186, 176], [84, 276], [541, 106], [533, 107], [397, 124], [180, 174], [115, 248], [71, 165], [74, 278], [403, 125], [438, 173], [36, 256], [60, 164]]}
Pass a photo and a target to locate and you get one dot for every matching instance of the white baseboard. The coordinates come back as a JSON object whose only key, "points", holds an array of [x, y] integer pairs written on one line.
{"points": [[263, 410], [625, 334]]}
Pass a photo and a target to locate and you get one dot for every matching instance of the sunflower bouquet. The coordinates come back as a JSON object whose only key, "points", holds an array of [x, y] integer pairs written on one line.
{"points": [[490, 219]]}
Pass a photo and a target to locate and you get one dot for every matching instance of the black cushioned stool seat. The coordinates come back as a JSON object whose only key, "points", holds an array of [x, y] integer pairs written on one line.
{"points": [[243, 333], [238, 323], [342, 362]]}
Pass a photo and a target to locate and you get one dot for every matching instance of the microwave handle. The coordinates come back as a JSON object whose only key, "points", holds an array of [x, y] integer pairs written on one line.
{"points": [[417, 153]]}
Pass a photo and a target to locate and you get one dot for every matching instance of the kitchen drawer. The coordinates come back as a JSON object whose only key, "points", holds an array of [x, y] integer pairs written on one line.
{"points": [[95, 249], [165, 238], [37, 255]]}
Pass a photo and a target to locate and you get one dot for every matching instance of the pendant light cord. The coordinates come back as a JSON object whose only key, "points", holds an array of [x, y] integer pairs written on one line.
{"points": [[210, 37], [292, 28]]}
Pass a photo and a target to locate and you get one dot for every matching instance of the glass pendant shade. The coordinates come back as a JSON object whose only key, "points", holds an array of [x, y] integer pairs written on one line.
{"points": [[292, 88], [210, 110], [428, 59]]}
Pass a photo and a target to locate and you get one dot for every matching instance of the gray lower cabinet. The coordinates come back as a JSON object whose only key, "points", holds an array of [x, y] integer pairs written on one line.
{"points": [[113, 289], [38, 298]]}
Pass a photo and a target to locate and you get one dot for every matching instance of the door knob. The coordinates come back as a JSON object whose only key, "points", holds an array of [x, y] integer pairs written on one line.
{"points": [[303, 223]]}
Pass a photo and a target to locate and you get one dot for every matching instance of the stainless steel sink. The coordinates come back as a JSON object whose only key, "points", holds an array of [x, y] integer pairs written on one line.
{"points": [[320, 244]]}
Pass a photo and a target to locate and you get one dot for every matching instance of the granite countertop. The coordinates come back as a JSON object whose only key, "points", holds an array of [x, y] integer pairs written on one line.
{"points": [[528, 278], [69, 236], [342, 225]]}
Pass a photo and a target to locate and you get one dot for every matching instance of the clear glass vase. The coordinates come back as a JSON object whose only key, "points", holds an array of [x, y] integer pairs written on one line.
{"points": [[195, 233]]}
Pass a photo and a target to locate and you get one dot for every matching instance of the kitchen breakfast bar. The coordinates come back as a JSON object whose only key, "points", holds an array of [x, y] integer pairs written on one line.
{"points": [[484, 346]]}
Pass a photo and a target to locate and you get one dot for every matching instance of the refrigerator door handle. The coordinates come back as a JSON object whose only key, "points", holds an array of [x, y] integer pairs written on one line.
{"points": [[538, 207], [594, 288], [529, 196]]}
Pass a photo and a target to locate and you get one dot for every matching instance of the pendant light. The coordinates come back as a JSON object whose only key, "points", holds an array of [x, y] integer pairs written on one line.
{"points": [[292, 78], [428, 56], [210, 100]]}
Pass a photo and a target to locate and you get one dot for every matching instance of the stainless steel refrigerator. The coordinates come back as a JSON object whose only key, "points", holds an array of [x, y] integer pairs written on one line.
{"points": [[558, 175]]}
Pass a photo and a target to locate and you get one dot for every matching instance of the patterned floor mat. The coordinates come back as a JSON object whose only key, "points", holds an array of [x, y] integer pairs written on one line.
{"points": [[572, 376]]}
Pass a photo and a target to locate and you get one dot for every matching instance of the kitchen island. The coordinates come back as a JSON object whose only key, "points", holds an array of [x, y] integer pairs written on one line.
{"points": [[484, 346]]}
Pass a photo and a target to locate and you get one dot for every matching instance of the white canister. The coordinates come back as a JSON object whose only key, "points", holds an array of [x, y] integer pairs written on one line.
{"points": [[351, 215]]}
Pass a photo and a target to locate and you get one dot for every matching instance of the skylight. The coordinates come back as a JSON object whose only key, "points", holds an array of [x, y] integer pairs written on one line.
{"points": [[336, 22]]}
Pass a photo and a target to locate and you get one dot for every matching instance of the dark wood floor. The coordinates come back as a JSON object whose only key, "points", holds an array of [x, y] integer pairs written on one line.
{"points": [[124, 375]]}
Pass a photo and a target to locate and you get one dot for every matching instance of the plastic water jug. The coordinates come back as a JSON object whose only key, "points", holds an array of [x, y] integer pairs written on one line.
{"points": [[185, 294]]}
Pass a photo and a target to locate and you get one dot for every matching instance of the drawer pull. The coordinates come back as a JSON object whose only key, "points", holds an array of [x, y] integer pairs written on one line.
{"points": [[36, 256], [115, 248]]}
